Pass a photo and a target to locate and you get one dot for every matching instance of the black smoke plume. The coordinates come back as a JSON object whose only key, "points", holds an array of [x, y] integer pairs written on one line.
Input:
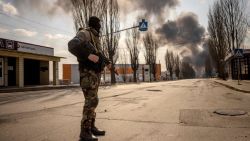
{"points": [[155, 6], [185, 30], [187, 34]]}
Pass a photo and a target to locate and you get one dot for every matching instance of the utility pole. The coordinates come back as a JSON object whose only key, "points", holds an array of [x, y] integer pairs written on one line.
{"points": [[238, 71], [238, 53]]}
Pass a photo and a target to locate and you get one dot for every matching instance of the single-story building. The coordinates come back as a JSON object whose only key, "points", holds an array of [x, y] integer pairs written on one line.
{"points": [[71, 73], [23, 64], [232, 64]]}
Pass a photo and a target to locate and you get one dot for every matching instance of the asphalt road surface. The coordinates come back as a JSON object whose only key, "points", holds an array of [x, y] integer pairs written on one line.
{"points": [[163, 111]]}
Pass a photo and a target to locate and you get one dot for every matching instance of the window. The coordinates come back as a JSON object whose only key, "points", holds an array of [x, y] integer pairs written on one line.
{"points": [[1, 69], [235, 66], [248, 65], [243, 65]]}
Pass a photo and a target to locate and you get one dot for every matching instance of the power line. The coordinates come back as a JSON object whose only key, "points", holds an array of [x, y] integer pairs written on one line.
{"points": [[25, 22], [14, 27], [44, 39], [37, 39], [34, 22], [7, 25], [12, 34]]}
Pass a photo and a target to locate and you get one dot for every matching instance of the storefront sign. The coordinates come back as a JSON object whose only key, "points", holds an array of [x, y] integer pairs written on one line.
{"points": [[24, 47], [8, 44], [238, 53]]}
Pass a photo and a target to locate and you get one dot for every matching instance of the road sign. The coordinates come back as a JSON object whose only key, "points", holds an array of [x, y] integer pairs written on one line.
{"points": [[143, 25], [238, 53]]}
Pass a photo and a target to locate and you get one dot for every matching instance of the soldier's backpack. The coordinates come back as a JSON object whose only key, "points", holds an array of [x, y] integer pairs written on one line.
{"points": [[75, 47], [78, 48]]}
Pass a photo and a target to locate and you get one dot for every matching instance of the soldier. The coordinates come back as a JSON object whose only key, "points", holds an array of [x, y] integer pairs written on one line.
{"points": [[90, 80]]}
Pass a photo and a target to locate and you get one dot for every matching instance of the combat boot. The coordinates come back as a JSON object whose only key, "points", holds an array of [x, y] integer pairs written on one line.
{"points": [[95, 130], [86, 134]]}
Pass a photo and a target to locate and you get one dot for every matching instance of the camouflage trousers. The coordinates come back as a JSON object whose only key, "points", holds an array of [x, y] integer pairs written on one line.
{"points": [[89, 81]]}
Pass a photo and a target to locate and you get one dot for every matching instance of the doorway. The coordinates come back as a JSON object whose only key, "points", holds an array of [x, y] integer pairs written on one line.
{"points": [[31, 72], [11, 71]]}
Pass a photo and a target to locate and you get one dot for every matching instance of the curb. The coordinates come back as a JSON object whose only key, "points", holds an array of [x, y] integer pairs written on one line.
{"points": [[233, 88], [35, 89]]}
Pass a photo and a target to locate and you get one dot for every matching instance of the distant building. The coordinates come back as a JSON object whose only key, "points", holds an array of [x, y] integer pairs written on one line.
{"points": [[71, 73], [23, 64], [244, 69]]}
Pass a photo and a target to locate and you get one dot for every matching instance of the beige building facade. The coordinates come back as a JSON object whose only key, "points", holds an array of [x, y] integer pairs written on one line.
{"points": [[23, 64]]}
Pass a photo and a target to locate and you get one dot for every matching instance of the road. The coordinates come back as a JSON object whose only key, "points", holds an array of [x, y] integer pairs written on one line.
{"points": [[163, 111]]}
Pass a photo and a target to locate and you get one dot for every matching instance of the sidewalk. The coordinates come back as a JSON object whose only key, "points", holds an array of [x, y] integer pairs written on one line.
{"points": [[52, 87], [233, 84], [35, 88]]}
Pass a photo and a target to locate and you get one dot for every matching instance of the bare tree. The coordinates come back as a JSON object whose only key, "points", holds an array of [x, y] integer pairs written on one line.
{"points": [[170, 62], [177, 62], [187, 70], [108, 12], [123, 66], [217, 41], [235, 22], [208, 67], [151, 47], [111, 40], [132, 42], [227, 27], [83, 9]]}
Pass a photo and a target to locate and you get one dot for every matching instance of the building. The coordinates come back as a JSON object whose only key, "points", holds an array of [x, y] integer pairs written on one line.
{"points": [[244, 69], [23, 64], [71, 73]]}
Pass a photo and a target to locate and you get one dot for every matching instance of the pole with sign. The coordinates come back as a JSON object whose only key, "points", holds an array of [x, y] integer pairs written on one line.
{"points": [[238, 53], [143, 25]]}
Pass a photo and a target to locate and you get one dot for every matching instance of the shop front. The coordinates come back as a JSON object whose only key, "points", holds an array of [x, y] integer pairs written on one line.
{"points": [[23, 64], [239, 66]]}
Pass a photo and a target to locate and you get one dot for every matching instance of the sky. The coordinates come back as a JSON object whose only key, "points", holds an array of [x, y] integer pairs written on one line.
{"points": [[50, 23]]}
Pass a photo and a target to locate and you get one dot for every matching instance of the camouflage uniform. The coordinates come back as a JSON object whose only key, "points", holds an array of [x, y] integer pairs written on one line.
{"points": [[89, 81]]}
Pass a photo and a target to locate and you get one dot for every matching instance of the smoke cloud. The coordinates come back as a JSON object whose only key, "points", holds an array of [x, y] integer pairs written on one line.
{"points": [[43, 6], [185, 30], [156, 6], [65, 5], [187, 34]]}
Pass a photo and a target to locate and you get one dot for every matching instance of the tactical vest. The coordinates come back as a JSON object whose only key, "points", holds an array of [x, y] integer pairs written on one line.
{"points": [[95, 41]]}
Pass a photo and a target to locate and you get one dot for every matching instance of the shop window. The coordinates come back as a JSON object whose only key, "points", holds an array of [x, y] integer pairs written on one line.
{"points": [[243, 64], [248, 65], [1, 69], [235, 66]]}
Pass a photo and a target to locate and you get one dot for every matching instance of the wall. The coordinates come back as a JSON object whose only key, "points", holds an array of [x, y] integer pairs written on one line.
{"points": [[66, 71], [75, 78], [71, 73], [44, 72]]}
